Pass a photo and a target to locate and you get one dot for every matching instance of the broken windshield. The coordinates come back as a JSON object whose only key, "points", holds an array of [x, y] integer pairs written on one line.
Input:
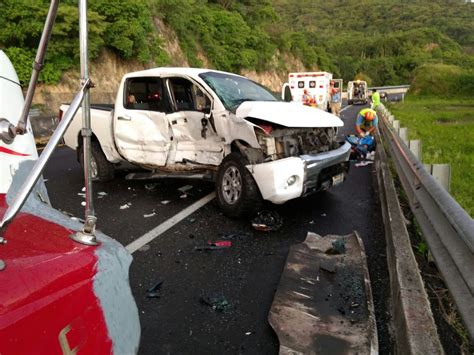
{"points": [[232, 90]]}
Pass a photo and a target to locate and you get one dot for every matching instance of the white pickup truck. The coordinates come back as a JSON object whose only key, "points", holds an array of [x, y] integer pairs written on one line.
{"points": [[201, 123]]}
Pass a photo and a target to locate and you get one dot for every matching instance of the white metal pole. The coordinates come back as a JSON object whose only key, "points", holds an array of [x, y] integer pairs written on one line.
{"points": [[87, 235]]}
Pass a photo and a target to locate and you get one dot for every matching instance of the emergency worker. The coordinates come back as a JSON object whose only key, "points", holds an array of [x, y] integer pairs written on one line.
{"points": [[366, 122], [375, 99], [306, 98], [335, 102]]}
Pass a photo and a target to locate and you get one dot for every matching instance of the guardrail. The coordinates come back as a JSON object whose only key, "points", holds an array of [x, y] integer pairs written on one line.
{"points": [[446, 227], [392, 87]]}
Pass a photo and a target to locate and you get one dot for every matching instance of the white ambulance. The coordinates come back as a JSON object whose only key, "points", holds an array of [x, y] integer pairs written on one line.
{"points": [[318, 86]]}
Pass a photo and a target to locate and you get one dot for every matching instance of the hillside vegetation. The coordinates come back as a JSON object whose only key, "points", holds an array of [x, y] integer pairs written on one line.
{"points": [[384, 40]]}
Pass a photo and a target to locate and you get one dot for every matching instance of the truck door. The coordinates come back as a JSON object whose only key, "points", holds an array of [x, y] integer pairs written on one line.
{"points": [[141, 129], [350, 92], [322, 89], [192, 124]]}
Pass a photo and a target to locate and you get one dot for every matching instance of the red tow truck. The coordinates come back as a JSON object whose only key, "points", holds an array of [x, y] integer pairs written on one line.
{"points": [[64, 287]]}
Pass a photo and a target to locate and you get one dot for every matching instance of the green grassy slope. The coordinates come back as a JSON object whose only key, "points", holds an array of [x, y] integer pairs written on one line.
{"points": [[446, 129]]}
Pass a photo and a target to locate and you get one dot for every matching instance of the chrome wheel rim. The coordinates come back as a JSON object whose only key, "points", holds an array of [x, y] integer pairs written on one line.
{"points": [[232, 185]]}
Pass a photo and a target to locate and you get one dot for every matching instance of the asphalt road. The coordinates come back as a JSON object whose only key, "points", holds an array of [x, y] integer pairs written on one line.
{"points": [[246, 275]]}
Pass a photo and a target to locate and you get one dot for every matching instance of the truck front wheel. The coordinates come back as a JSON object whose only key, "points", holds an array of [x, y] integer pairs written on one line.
{"points": [[101, 169], [237, 193]]}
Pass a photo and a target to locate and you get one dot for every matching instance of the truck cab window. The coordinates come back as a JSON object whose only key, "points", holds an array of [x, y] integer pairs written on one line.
{"points": [[188, 96], [146, 93]]}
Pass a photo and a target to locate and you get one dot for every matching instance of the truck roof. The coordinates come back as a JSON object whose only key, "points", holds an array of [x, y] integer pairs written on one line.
{"points": [[174, 70], [309, 74]]}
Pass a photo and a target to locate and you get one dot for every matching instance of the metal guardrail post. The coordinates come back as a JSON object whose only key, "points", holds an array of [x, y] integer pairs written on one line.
{"points": [[415, 148], [403, 133], [442, 174], [446, 227], [396, 126]]}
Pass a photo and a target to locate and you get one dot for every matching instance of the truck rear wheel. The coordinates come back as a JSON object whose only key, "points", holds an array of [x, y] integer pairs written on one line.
{"points": [[101, 169], [237, 192]]}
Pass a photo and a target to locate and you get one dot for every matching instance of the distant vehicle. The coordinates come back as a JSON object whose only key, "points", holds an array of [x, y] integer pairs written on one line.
{"points": [[318, 85], [357, 92], [58, 296], [207, 124]]}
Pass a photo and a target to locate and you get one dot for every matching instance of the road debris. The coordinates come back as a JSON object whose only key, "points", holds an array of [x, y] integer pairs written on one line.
{"points": [[323, 303], [328, 265], [338, 247], [236, 235], [153, 292], [165, 202], [101, 194], [83, 203], [364, 163], [127, 205], [218, 303], [185, 188], [149, 215], [151, 187], [217, 245], [267, 221], [146, 247]]}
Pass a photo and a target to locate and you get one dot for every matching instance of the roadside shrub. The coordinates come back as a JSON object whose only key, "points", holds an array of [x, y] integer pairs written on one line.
{"points": [[442, 80]]}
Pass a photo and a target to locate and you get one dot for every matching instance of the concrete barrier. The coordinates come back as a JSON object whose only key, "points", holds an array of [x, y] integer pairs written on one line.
{"points": [[414, 326]]}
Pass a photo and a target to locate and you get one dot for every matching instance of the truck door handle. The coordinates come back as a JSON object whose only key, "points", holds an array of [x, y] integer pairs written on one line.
{"points": [[124, 118]]}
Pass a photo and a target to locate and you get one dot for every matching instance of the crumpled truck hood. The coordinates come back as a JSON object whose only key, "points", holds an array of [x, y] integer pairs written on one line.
{"points": [[288, 114]]}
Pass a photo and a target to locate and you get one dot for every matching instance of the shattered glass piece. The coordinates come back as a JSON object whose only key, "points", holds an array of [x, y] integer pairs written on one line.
{"points": [[185, 188], [151, 187], [338, 247], [218, 303]]}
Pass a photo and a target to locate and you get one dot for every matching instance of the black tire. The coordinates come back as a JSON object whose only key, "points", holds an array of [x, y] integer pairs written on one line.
{"points": [[102, 170], [232, 202], [349, 102]]}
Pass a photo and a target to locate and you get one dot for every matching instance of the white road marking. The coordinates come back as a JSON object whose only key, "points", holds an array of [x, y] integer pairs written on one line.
{"points": [[163, 227], [345, 108]]}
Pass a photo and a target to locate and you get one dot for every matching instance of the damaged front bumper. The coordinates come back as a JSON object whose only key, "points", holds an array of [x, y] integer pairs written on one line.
{"points": [[285, 179]]}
